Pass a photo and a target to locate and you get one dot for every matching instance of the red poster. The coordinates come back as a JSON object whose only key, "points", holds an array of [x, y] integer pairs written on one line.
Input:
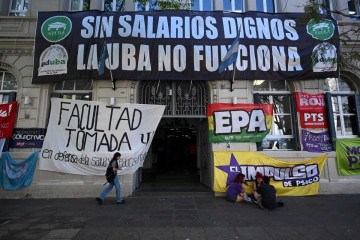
{"points": [[311, 108], [7, 119], [306, 101], [313, 118]]}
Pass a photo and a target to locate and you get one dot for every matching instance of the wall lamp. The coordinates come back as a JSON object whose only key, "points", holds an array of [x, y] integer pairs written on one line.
{"points": [[112, 101], [27, 100], [234, 100]]}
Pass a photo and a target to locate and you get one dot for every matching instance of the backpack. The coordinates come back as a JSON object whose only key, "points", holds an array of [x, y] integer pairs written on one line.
{"points": [[110, 175]]}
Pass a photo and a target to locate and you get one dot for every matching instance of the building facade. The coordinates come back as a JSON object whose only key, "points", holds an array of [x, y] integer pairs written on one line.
{"points": [[183, 131]]}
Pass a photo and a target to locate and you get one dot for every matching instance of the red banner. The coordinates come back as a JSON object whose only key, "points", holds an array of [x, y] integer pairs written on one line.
{"points": [[311, 108], [7, 119]]}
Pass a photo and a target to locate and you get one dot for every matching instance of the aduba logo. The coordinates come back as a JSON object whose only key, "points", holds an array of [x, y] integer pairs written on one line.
{"points": [[56, 28], [53, 61], [324, 58], [321, 30]]}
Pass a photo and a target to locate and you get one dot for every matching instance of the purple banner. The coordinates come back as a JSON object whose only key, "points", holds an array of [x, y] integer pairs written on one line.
{"points": [[28, 138], [316, 142]]}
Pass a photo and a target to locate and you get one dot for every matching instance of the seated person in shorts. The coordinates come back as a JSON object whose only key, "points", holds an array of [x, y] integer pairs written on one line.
{"points": [[235, 191]]}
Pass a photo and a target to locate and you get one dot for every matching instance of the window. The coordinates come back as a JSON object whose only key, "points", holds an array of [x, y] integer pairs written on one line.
{"points": [[201, 5], [79, 5], [8, 86], [233, 5], [341, 102], [281, 135], [74, 89], [265, 6], [181, 98], [114, 5], [327, 6], [18, 7], [150, 5], [354, 7]]}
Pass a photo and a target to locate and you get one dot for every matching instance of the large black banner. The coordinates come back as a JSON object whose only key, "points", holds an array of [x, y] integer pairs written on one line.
{"points": [[183, 45]]}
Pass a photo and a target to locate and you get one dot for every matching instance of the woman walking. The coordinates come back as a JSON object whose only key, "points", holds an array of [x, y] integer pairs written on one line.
{"points": [[115, 167]]}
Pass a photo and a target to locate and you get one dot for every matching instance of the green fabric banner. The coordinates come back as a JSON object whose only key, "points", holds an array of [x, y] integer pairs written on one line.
{"points": [[348, 156]]}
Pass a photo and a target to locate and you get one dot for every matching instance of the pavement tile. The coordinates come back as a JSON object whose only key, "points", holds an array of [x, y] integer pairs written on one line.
{"points": [[160, 233], [314, 232], [188, 223], [13, 226], [43, 226], [125, 233], [220, 233], [343, 232], [92, 234], [155, 223], [188, 233], [26, 235], [186, 217], [283, 232], [184, 206], [4, 233], [252, 233], [61, 234], [161, 212]]}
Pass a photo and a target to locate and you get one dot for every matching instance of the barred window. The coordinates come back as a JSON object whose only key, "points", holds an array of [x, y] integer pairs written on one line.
{"points": [[343, 106], [8, 85], [79, 5], [281, 135], [18, 7], [233, 5], [74, 89], [266, 6]]}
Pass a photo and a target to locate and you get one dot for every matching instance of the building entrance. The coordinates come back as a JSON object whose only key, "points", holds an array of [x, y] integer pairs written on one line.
{"points": [[174, 164], [174, 149], [174, 156]]}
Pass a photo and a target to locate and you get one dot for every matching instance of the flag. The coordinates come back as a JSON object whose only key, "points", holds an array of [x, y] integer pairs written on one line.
{"points": [[103, 56], [230, 56], [16, 175]]}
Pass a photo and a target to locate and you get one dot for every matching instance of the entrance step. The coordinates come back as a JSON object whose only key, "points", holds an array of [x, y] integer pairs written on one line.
{"points": [[172, 188]]}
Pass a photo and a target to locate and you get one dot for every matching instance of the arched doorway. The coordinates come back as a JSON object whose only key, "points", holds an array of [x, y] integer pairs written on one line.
{"points": [[180, 144]]}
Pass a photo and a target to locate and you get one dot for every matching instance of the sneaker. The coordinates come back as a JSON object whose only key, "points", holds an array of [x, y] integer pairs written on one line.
{"points": [[99, 200], [248, 199], [121, 202]]}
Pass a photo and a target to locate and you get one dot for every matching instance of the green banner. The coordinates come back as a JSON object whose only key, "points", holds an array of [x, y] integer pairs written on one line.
{"points": [[348, 156]]}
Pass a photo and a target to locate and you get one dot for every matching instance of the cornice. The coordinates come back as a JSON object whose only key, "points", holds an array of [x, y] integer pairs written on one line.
{"points": [[15, 51]]}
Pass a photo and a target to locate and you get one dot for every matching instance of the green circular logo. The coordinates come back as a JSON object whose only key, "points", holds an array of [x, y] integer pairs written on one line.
{"points": [[321, 30], [56, 28]]}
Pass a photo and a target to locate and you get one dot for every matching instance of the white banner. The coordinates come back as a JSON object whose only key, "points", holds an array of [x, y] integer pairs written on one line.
{"points": [[82, 136]]}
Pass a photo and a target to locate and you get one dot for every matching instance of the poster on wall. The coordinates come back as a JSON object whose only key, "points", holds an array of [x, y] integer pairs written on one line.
{"points": [[312, 111], [316, 142], [82, 136], [348, 156], [7, 119], [27, 138], [239, 122], [290, 178], [183, 45]]}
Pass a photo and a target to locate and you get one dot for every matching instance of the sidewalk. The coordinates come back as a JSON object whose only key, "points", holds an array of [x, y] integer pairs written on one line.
{"points": [[186, 216]]}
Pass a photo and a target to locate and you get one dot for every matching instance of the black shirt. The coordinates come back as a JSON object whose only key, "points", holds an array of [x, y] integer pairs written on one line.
{"points": [[268, 196]]}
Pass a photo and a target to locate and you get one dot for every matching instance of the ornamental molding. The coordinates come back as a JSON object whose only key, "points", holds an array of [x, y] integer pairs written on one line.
{"points": [[16, 51]]}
